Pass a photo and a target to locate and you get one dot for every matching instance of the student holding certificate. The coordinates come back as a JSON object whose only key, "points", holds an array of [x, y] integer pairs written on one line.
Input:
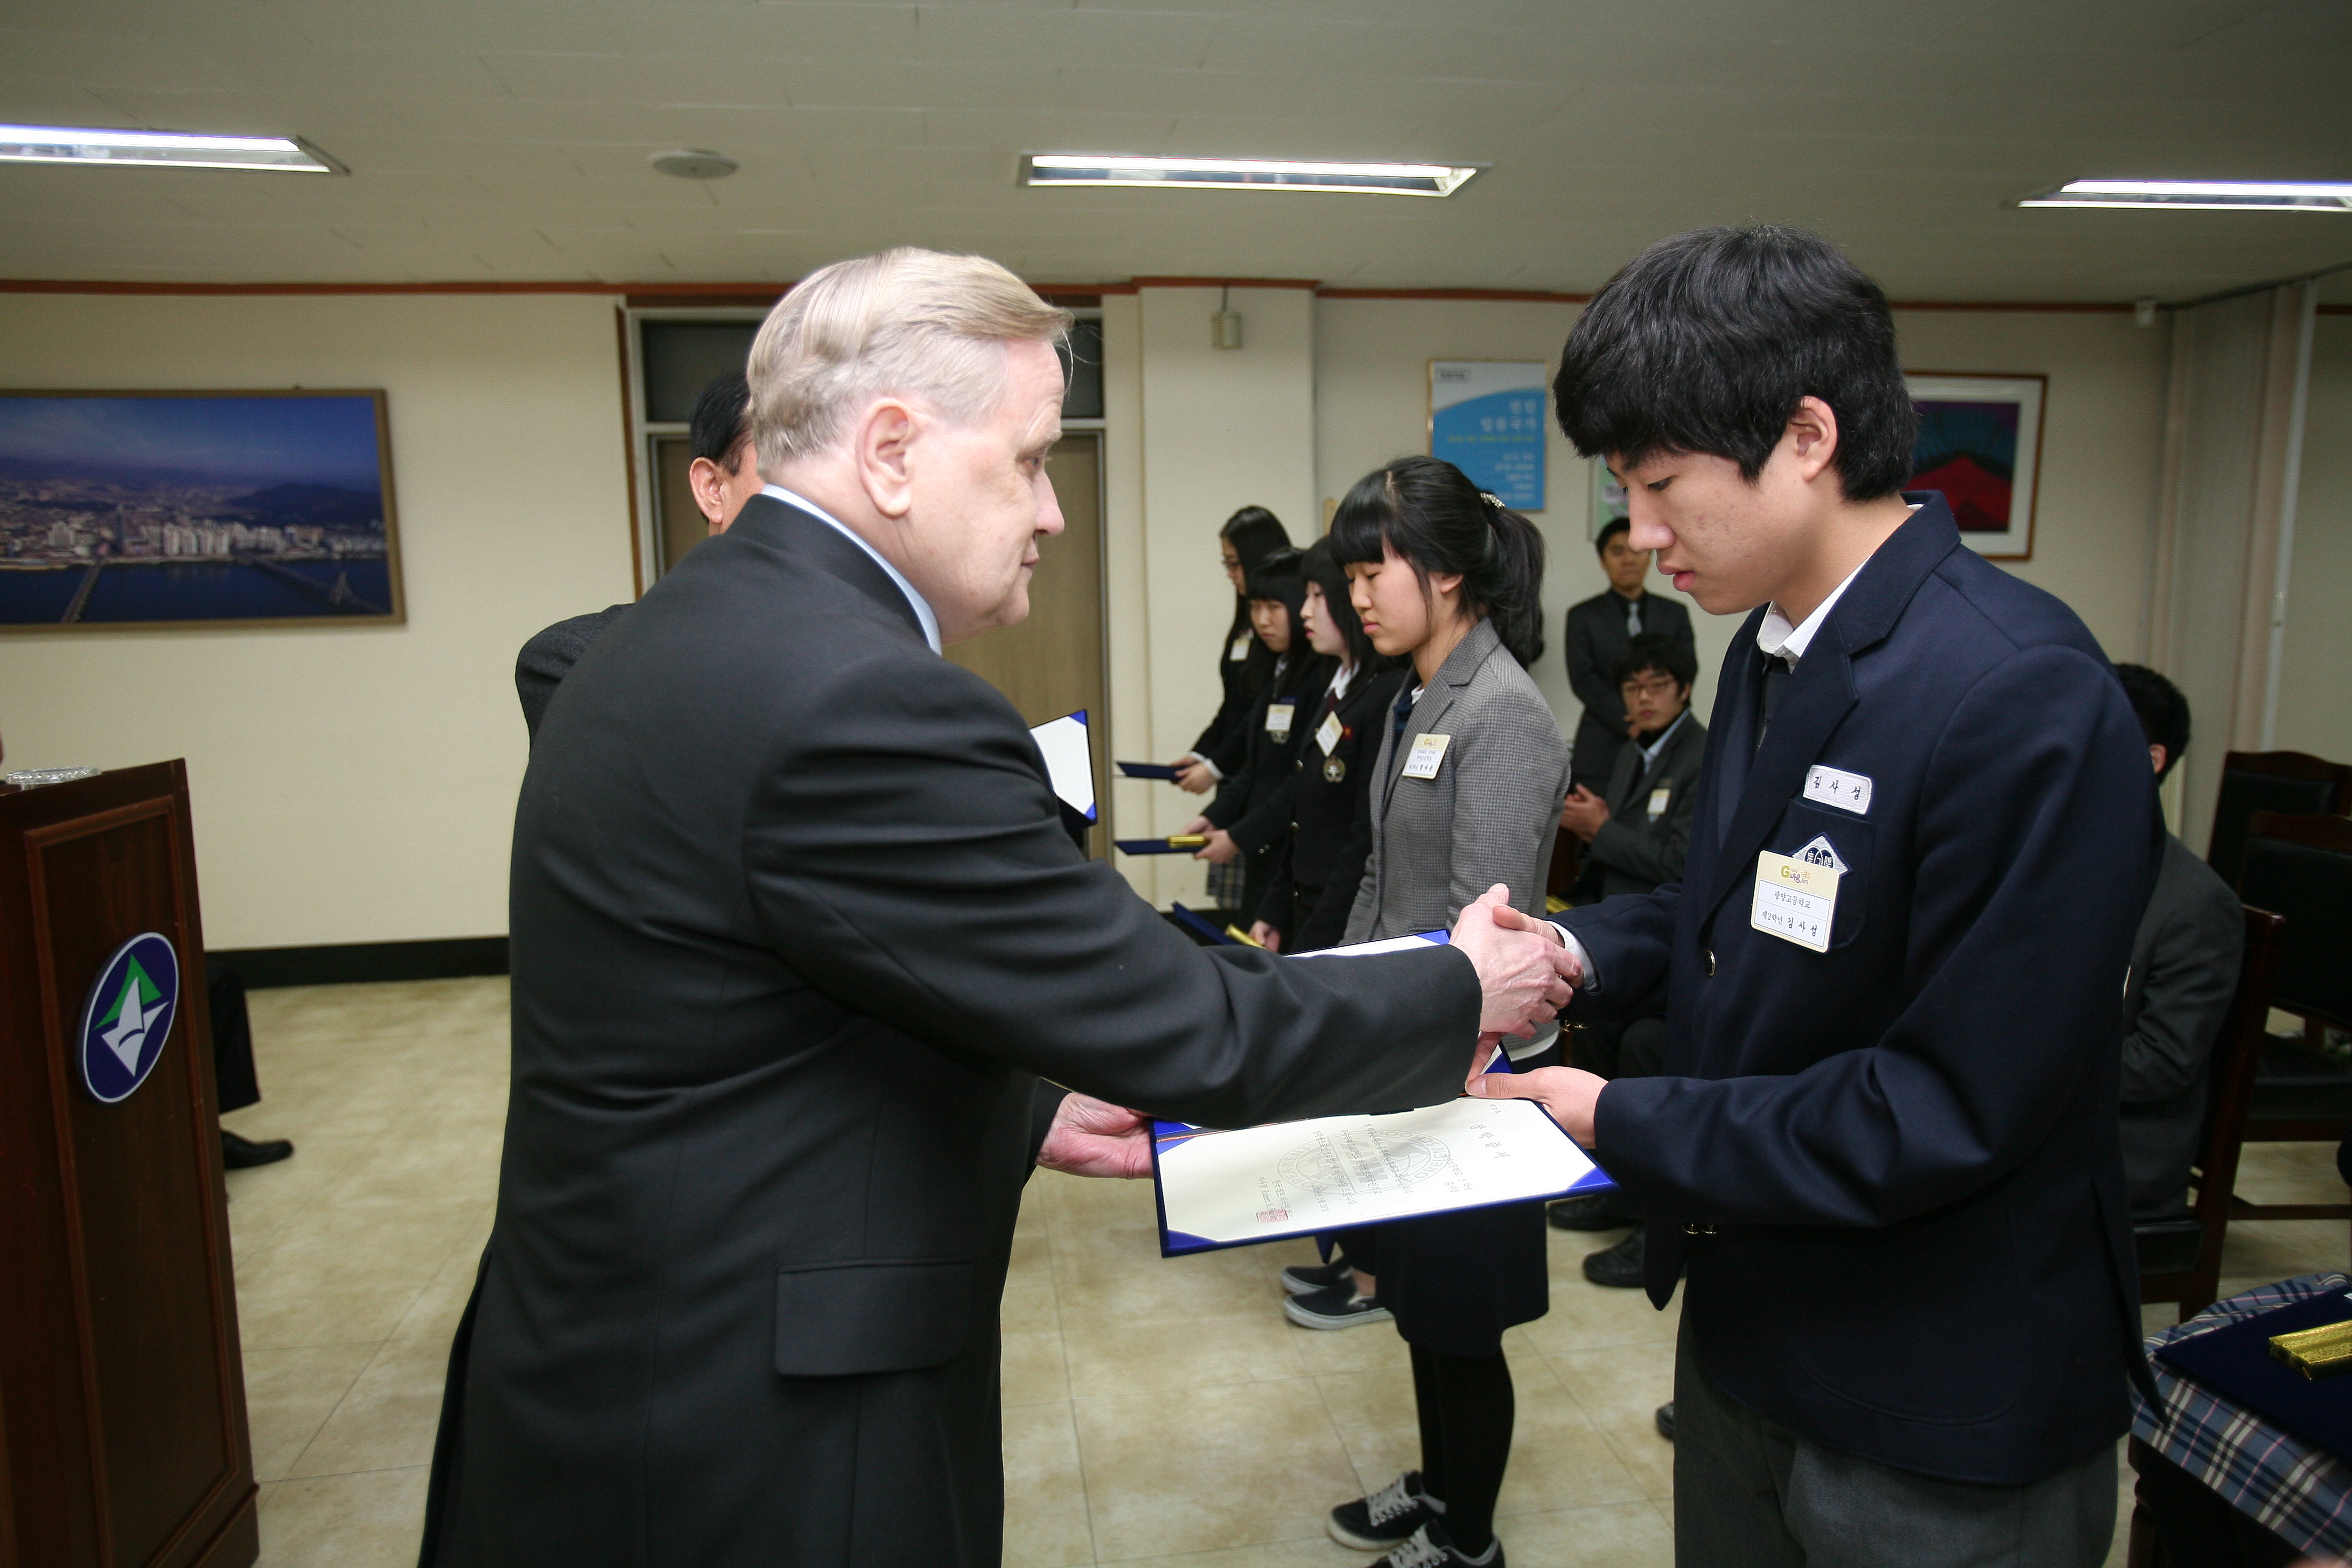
{"points": [[1465, 794]]}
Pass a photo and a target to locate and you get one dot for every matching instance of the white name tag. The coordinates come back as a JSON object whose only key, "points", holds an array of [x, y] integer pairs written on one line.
{"points": [[1278, 719], [1794, 901], [1428, 751], [1239, 650], [1327, 733], [1835, 786], [1658, 798]]}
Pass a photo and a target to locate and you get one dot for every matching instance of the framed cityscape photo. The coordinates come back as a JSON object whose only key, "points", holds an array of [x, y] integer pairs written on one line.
{"points": [[1980, 442], [196, 509]]}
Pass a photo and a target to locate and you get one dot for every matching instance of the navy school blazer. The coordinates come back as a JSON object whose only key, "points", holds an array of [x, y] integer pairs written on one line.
{"points": [[1893, 1167]]}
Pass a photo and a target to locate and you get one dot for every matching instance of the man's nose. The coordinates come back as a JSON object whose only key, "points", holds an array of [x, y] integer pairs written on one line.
{"points": [[1049, 507]]}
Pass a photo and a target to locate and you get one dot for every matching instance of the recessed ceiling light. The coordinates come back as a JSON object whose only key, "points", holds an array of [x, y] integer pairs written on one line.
{"points": [[78, 144], [2202, 195], [692, 163], [1245, 174]]}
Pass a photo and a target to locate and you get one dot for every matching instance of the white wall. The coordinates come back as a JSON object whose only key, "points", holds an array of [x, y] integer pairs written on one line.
{"points": [[351, 784], [2315, 711]]}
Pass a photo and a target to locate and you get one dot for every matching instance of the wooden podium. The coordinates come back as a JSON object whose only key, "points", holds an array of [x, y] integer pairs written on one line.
{"points": [[122, 1427]]}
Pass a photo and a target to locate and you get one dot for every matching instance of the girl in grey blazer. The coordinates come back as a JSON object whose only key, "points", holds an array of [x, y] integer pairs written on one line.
{"points": [[1466, 794]]}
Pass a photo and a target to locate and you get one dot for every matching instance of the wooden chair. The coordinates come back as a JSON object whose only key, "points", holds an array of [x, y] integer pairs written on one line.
{"points": [[2180, 1260], [2292, 781]]}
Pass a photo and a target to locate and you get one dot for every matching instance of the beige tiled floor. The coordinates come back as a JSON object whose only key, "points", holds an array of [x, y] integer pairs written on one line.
{"points": [[355, 1257]]}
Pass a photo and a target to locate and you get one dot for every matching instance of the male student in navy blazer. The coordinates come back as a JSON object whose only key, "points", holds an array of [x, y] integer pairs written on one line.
{"points": [[1885, 1147]]}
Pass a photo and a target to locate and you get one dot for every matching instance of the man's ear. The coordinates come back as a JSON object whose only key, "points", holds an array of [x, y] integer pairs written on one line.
{"points": [[708, 483], [882, 445], [1811, 436]]}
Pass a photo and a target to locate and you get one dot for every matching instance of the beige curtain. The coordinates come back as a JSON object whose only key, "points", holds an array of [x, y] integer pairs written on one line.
{"points": [[2241, 371]]}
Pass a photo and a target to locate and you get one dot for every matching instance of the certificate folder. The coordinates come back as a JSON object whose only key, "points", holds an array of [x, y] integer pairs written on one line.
{"points": [[2237, 1361], [1287, 1179], [1201, 926], [1174, 843], [1148, 771]]}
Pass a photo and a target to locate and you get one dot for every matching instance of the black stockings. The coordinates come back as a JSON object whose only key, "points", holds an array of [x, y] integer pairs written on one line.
{"points": [[1466, 1408]]}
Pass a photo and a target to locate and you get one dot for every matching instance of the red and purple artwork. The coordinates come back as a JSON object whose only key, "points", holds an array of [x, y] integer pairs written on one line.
{"points": [[1968, 452]]}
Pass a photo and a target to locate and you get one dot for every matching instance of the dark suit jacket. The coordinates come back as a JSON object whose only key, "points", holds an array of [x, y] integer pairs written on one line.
{"points": [[1331, 819], [1239, 681], [1907, 1145], [1596, 640], [2184, 973], [795, 931], [1254, 803], [548, 657], [1637, 850]]}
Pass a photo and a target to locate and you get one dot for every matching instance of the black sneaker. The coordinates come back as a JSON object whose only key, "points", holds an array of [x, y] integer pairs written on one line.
{"points": [[1336, 1306], [1389, 1517], [1299, 1280], [1589, 1213], [1665, 1419], [1429, 1547], [1619, 1266]]}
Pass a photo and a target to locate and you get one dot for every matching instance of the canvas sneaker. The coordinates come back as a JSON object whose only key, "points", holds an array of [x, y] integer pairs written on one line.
{"points": [[1336, 1306], [1298, 1279], [1387, 1518], [1429, 1547]]}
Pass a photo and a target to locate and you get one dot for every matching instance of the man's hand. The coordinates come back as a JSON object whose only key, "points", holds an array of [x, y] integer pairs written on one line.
{"points": [[1583, 813], [1220, 850], [1090, 1138], [1523, 977], [1265, 936], [1571, 1094], [1192, 775]]}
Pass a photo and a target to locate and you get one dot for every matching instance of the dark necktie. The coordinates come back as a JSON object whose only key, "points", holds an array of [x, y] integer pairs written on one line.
{"points": [[1632, 619], [1775, 676]]}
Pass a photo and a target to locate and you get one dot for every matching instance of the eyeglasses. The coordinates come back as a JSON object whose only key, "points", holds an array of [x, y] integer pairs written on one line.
{"points": [[1660, 686]]}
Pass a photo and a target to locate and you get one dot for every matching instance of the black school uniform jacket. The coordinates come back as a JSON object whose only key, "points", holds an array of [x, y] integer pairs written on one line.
{"points": [[795, 931], [1254, 803], [1905, 1145], [1330, 815]]}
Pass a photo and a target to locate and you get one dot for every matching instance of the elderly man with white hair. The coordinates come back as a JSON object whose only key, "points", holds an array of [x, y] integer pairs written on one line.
{"points": [[799, 949]]}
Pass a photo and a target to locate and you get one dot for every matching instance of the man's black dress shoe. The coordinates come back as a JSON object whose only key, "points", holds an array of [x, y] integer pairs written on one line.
{"points": [[1619, 1265], [1666, 1420], [1591, 1212], [242, 1153]]}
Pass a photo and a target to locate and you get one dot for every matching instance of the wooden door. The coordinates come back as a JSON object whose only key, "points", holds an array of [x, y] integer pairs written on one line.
{"points": [[1053, 663]]}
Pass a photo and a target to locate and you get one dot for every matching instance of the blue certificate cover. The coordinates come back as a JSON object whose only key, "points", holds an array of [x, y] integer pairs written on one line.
{"points": [[2237, 1361], [1154, 846], [1148, 771]]}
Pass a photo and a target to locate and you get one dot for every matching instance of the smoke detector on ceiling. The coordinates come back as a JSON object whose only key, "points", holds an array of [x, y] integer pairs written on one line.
{"points": [[692, 163]]}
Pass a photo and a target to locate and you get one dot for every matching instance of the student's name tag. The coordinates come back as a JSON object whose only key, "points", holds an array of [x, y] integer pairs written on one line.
{"points": [[1239, 650], [1795, 900], [1658, 798], [1835, 786], [1327, 733], [1278, 719], [1428, 751]]}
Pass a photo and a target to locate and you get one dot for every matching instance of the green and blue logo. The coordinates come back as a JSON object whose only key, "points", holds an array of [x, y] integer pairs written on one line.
{"points": [[129, 1016]]}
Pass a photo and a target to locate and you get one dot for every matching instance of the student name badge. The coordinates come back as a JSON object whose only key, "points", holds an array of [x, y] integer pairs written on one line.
{"points": [[1278, 719], [1428, 751], [1239, 650], [1658, 798], [1327, 733], [1795, 899], [1836, 786]]}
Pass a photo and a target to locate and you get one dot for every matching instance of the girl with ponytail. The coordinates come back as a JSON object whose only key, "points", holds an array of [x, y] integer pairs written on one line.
{"points": [[1465, 793]]}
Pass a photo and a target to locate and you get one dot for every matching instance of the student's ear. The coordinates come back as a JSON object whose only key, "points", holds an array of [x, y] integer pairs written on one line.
{"points": [[1812, 436]]}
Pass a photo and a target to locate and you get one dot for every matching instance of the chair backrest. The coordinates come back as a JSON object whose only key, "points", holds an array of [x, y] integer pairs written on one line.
{"points": [[2230, 1092], [2270, 781], [2301, 867]]}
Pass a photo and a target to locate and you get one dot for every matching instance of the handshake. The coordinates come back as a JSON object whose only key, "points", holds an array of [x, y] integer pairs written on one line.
{"points": [[1525, 974]]}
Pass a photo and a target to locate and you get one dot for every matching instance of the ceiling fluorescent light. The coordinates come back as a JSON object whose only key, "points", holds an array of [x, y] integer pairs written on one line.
{"points": [[2201, 195], [1245, 174], [76, 144]]}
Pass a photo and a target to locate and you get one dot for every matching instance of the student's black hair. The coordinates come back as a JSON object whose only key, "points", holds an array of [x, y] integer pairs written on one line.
{"points": [[1255, 534], [1707, 340], [2163, 712], [1429, 512], [1322, 568], [1277, 576], [1609, 531], [722, 421], [1656, 650]]}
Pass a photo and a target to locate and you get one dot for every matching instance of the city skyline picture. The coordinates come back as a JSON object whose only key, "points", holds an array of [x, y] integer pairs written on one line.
{"points": [[196, 508]]}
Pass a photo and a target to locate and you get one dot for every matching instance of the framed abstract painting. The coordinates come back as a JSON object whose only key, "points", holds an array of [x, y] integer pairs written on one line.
{"points": [[196, 508], [1980, 443]]}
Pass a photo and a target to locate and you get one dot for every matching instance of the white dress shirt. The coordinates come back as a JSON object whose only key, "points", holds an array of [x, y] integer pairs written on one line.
{"points": [[922, 606]]}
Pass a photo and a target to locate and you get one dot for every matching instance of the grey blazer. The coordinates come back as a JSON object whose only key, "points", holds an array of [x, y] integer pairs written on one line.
{"points": [[2184, 972], [1637, 849], [1489, 814]]}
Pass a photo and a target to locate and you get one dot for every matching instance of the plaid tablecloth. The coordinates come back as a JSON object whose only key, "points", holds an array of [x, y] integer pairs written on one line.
{"points": [[2302, 1494]]}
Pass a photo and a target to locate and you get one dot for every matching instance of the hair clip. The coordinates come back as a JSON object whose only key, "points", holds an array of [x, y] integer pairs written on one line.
{"points": [[1493, 501]]}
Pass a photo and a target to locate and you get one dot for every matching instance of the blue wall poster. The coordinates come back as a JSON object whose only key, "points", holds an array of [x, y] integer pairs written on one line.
{"points": [[1487, 418]]}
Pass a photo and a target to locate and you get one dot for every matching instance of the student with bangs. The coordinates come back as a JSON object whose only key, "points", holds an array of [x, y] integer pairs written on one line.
{"points": [[1465, 794]]}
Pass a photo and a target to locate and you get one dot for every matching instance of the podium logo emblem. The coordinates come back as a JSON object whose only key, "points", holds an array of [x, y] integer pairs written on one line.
{"points": [[129, 1016]]}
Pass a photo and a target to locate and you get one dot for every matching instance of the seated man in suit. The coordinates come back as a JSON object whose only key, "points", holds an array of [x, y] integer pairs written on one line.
{"points": [[800, 951], [725, 474], [2184, 974], [1635, 837], [1598, 630]]}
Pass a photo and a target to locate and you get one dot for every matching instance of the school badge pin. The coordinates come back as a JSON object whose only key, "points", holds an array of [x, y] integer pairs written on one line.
{"points": [[1334, 769]]}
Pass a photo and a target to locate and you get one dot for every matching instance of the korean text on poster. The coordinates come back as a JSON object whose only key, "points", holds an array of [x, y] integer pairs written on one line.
{"points": [[1487, 418]]}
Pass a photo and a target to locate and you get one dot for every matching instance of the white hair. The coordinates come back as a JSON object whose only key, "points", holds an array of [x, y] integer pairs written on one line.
{"points": [[905, 322]]}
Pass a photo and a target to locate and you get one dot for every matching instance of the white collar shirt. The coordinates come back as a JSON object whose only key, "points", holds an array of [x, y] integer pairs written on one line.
{"points": [[1650, 752], [921, 606], [1778, 640]]}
